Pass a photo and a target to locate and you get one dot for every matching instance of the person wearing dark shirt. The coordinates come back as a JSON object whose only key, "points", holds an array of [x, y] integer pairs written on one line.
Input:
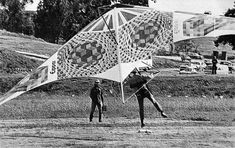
{"points": [[139, 84], [214, 67], [96, 96]]}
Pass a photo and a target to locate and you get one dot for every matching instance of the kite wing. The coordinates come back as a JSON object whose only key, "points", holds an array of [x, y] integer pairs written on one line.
{"points": [[109, 47], [121, 40], [191, 25]]}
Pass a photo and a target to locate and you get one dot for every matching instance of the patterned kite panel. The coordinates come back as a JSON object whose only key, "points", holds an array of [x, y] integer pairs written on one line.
{"points": [[145, 35], [87, 54]]}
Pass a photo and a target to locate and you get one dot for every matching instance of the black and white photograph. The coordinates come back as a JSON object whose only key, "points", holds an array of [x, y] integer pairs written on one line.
{"points": [[117, 73]]}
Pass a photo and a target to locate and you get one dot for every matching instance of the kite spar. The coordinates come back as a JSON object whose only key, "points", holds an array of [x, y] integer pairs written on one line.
{"points": [[118, 52]]}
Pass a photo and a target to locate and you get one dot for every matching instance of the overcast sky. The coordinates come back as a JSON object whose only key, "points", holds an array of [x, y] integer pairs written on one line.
{"points": [[33, 6], [217, 7]]}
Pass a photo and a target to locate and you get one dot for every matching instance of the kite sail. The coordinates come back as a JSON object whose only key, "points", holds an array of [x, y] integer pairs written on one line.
{"points": [[191, 25], [115, 44]]}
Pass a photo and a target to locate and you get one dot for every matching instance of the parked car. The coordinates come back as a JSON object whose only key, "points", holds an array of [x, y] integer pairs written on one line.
{"points": [[194, 55], [208, 61], [231, 67], [188, 69], [221, 69], [199, 65], [224, 62], [185, 57]]}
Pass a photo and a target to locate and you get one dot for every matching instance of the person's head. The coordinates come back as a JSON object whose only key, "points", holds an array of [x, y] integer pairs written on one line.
{"points": [[145, 69], [97, 82], [133, 73]]}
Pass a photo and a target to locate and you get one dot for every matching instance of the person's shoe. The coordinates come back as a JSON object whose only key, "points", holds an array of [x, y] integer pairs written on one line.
{"points": [[90, 120], [164, 115], [100, 120], [142, 125]]}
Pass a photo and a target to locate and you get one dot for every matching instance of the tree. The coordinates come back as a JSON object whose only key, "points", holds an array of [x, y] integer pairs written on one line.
{"points": [[13, 14], [136, 2], [3, 19], [49, 18], [62, 19], [227, 39], [28, 24], [186, 46], [7, 3], [78, 14]]}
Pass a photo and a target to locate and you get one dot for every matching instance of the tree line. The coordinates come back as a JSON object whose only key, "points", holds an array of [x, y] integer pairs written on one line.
{"points": [[230, 39], [54, 20], [12, 16], [59, 20]]}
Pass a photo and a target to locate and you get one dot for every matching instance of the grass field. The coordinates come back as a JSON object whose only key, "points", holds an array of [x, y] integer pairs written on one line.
{"points": [[37, 105], [19, 42]]}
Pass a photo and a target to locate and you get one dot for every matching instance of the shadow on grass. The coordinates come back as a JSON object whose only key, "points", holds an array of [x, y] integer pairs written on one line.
{"points": [[69, 125], [133, 124], [41, 135]]}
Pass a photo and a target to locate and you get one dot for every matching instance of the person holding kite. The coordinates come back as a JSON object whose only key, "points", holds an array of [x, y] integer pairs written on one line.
{"points": [[96, 96], [139, 84]]}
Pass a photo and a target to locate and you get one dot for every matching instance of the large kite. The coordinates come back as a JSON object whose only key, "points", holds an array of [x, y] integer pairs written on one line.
{"points": [[121, 40]]}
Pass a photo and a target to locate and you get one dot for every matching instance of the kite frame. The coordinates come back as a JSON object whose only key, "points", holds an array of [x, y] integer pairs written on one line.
{"points": [[118, 52]]}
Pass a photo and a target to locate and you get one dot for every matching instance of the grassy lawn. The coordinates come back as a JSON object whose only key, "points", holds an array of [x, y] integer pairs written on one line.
{"points": [[203, 98], [220, 111], [18, 42]]}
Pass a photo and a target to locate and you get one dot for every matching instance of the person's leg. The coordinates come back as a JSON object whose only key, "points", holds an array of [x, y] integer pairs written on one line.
{"points": [[93, 105], [141, 108], [100, 105], [214, 68], [155, 103]]}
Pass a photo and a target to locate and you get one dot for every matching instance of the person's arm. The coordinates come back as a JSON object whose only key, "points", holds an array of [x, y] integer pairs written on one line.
{"points": [[91, 93], [147, 86], [144, 80], [138, 82], [101, 93], [132, 85]]}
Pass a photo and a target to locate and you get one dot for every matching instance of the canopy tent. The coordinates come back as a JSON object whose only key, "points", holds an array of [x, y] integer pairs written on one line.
{"points": [[121, 40]]}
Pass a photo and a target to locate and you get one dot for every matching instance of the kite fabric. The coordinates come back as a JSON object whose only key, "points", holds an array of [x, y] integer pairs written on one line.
{"points": [[121, 40]]}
